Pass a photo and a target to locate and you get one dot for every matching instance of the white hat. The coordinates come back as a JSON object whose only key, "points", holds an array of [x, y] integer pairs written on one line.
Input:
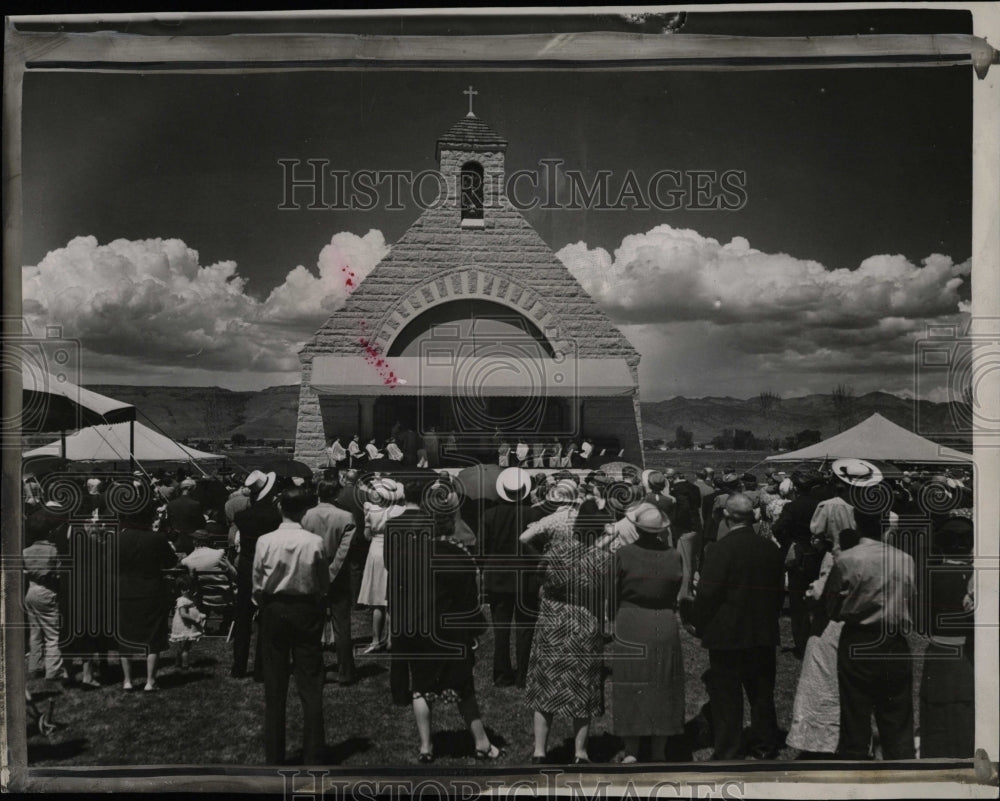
{"points": [[261, 483], [647, 517], [513, 484], [387, 491], [856, 472]]}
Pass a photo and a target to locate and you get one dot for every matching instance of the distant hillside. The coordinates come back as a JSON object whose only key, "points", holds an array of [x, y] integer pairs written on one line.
{"points": [[215, 413], [707, 417]]}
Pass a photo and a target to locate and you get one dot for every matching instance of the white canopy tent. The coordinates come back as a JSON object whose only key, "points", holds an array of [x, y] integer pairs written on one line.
{"points": [[875, 438], [110, 444]]}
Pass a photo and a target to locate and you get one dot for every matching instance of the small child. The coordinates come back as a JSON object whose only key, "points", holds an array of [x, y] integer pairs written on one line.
{"points": [[188, 624]]}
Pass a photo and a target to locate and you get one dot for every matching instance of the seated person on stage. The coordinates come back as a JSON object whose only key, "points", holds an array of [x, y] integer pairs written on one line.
{"points": [[503, 454], [354, 450], [586, 449], [538, 454], [373, 452], [335, 453], [554, 452], [392, 450], [569, 455], [521, 451]]}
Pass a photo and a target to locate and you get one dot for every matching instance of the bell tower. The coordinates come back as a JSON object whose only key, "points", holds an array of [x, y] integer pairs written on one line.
{"points": [[471, 160]]}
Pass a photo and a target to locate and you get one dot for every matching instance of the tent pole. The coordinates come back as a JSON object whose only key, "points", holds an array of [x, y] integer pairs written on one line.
{"points": [[131, 446], [62, 443]]}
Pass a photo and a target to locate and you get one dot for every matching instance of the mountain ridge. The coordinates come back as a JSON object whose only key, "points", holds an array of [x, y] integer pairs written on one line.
{"points": [[218, 413]]}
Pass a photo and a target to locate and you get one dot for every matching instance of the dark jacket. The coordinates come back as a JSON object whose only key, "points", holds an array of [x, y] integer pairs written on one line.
{"points": [[253, 523], [185, 514], [348, 500], [687, 514], [502, 567], [142, 558], [740, 592]]}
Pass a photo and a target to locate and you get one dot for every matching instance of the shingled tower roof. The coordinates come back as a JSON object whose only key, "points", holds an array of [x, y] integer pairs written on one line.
{"points": [[471, 134]]}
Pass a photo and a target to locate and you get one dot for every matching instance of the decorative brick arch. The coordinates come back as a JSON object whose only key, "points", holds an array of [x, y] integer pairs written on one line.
{"points": [[469, 283]]}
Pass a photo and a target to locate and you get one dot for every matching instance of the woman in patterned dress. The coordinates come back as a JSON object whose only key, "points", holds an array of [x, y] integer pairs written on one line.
{"points": [[565, 668]]}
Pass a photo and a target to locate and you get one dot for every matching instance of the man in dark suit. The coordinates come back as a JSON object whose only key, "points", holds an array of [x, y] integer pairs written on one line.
{"points": [[261, 517], [792, 530], [351, 499], [184, 516], [736, 610], [510, 580]]}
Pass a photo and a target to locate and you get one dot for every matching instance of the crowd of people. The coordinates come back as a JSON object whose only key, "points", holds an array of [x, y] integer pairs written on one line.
{"points": [[585, 575]]}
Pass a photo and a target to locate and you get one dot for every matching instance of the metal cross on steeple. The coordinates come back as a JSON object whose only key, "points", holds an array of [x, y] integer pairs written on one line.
{"points": [[471, 93]]}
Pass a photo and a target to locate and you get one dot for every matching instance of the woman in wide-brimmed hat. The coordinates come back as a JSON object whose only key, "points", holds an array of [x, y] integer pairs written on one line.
{"points": [[647, 687], [564, 670]]}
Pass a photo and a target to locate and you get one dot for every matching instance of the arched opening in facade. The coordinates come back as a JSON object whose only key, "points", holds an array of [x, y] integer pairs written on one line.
{"points": [[471, 191], [495, 359]]}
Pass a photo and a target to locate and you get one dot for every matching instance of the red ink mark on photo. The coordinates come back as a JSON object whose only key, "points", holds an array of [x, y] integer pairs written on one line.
{"points": [[373, 356], [349, 281]]}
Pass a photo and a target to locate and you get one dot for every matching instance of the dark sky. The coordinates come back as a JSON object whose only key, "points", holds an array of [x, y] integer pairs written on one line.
{"points": [[840, 165]]}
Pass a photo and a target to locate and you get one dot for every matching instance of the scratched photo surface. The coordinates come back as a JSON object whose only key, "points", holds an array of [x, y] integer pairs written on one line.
{"points": [[575, 309]]}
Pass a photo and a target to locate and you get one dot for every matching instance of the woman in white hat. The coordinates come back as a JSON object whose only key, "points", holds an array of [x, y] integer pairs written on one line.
{"points": [[564, 670], [647, 692], [385, 501]]}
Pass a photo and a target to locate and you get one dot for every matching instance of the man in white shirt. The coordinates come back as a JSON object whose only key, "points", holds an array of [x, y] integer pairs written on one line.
{"points": [[291, 578], [335, 453], [354, 451], [393, 451], [373, 451]]}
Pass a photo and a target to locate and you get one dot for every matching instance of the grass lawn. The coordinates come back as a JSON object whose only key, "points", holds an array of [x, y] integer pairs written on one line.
{"points": [[692, 461], [204, 717]]}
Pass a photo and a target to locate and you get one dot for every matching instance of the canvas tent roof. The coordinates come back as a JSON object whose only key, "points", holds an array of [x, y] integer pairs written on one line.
{"points": [[55, 404], [110, 444], [875, 438]]}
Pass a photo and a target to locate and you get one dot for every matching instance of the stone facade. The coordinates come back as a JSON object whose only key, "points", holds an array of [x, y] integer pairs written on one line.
{"points": [[437, 260]]}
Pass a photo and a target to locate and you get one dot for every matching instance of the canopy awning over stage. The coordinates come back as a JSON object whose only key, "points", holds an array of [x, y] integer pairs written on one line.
{"points": [[500, 374]]}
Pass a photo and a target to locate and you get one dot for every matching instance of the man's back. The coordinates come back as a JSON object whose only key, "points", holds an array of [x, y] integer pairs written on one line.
{"points": [[290, 561], [185, 514], [253, 522], [740, 592], [330, 523], [502, 525], [348, 499], [872, 584]]}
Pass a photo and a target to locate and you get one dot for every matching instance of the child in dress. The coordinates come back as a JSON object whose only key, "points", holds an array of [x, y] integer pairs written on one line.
{"points": [[188, 624]]}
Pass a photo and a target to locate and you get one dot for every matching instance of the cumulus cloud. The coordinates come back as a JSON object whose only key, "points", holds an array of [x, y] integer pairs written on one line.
{"points": [[671, 274], [153, 303], [713, 318], [308, 299]]}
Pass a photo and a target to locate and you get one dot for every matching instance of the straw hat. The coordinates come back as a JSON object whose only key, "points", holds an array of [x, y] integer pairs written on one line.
{"points": [[856, 472], [513, 484], [648, 518]]}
